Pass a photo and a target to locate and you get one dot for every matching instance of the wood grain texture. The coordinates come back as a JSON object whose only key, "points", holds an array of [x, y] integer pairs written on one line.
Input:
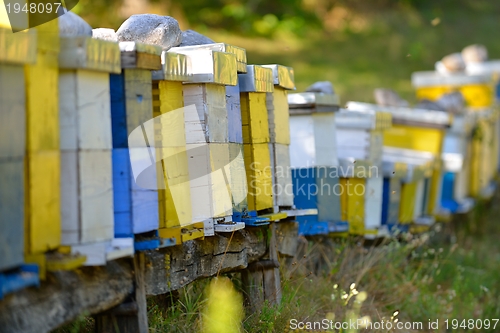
{"points": [[209, 180], [173, 268], [87, 196], [11, 213], [138, 97], [233, 105], [42, 200], [171, 150], [254, 117], [259, 176], [13, 115], [84, 110], [92, 290], [42, 101], [277, 108], [68, 294], [209, 124]]}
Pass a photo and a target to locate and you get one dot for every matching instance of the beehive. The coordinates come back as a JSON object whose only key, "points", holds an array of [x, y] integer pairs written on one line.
{"points": [[394, 173], [420, 130], [17, 52], [360, 139], [456, 164], [479, 93], [255, 129], [86, 148], [174, 202], [207, 139], [314, 162], [279, 135], [43, 163], [491, 67], [415, 184]]}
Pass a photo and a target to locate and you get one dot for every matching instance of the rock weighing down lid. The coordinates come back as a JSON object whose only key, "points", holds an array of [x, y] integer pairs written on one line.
{"points": [[282, 76], [256, 79], [209, 66], [430, 78], [419, 163], [88, 53], [363, 119], [18, 48], [175, 67], [312, 102], [140, 55], [239, 53], [408, 116]]}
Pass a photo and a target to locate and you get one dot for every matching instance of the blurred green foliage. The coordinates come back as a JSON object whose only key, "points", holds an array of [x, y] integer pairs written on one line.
{"points": [[358, 45]]}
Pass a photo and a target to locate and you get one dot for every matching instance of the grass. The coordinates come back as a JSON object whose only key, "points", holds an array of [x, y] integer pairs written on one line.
{"points": [[435, 276]]}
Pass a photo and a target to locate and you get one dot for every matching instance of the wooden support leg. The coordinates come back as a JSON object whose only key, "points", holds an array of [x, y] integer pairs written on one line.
{"points": [[130, 316], [261, 280]]}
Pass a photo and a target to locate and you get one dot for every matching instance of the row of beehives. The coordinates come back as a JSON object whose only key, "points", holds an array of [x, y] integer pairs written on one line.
{"points": [[119, 147]]}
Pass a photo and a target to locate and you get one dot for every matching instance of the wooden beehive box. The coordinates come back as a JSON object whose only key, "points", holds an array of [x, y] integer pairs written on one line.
{"points": [[16, 51], [86, 148], [416, 129], [314, 161], [360, 140], [279, 135], [207, 138], [393, 173], [491, 67], [174, 201], [415, 193], [135, 193], [253, 87], [43, 207]]}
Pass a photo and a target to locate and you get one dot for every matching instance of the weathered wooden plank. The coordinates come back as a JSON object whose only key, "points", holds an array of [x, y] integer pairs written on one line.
{"points": [[278, 113], [91, 290], [65, 296], [84, 110], [287, 236], [43, 207], [282, 185], [234, 114], [254, 117], [13, 115], [172, 268], [131, 316], [210, 176], [11, 213], [87, 196], [259, 176], [238, 177], [209, 123]]}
